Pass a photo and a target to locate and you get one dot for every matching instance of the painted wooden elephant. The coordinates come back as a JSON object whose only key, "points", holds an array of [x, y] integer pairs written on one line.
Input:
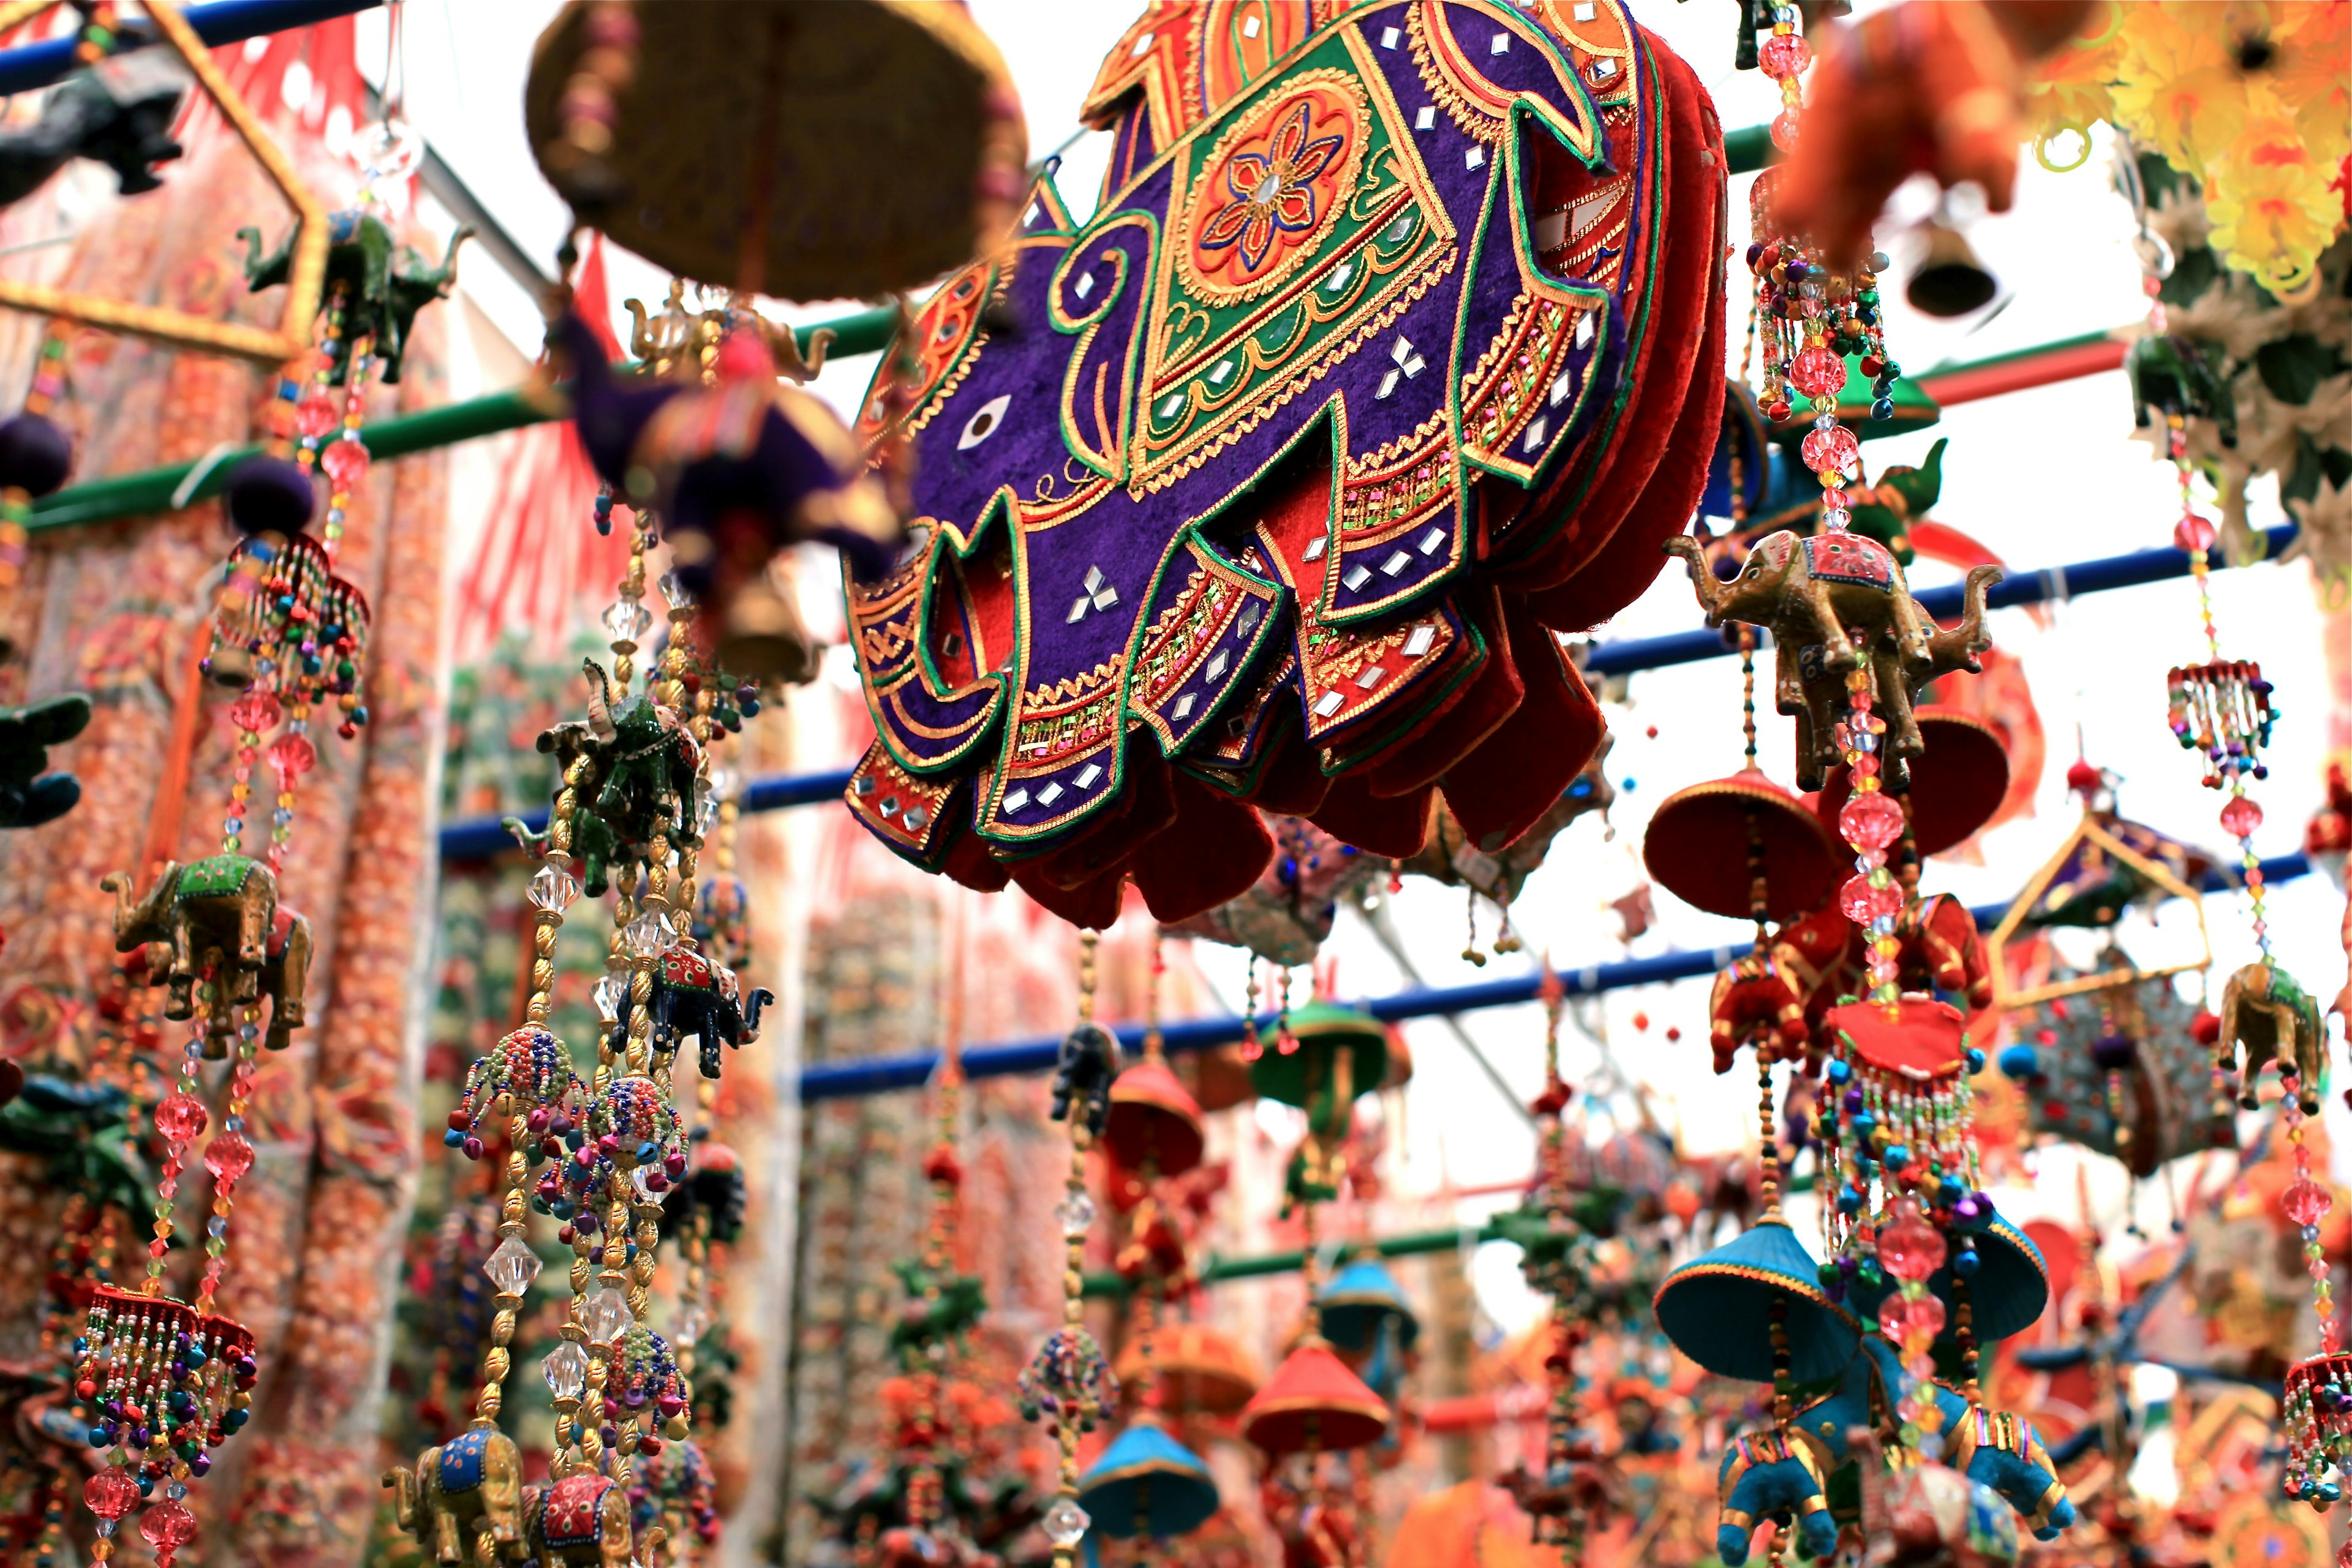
{"points": [[1929, 1513], [2170, 374], [2273, 1018], [223, 905], [579, 1519], [463, 1502], [1790, 1472], [284, 979], [640, 781], [694, 994], [384, 283], [29, 794], [118, 112], [1938, 946]]}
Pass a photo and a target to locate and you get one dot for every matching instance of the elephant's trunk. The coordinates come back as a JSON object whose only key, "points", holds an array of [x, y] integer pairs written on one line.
{"points": [[1712, 592], [447, 275]]}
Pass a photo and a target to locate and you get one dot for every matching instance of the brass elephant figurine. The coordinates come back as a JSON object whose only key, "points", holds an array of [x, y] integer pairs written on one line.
{"points": [[1833, 602], [2264, 1011], [221, 910], [581, 1519], [464, 1500]]}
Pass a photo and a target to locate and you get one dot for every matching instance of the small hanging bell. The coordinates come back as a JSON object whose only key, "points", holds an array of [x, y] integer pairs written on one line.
{"points": [[1950, 280]]}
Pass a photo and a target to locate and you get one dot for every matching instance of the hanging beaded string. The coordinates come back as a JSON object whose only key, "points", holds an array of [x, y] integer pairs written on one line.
{"points": [[1252, 1048], [2318, 1399], [228, 1156], [1284, 1042], [1068, 1382]]}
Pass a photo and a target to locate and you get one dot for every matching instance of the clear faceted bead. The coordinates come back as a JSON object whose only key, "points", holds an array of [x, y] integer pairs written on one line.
{"points": [[625, 620], [605, 1316], [650, 935], [679, 595], [566, 1370], [1076, 1213], [512, 1267], [553, 888], [688, 1327], [608, 993], [1065, 1522]]}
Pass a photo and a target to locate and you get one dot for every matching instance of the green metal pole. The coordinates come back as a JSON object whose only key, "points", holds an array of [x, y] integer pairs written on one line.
{"points": [[136, 495]]}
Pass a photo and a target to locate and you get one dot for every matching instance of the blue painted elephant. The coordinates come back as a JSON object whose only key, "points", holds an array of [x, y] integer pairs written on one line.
{"points": [[1766, 1474]]}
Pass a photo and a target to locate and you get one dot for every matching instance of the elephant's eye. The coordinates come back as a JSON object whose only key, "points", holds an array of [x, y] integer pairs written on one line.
{"points": [[983, 424]]}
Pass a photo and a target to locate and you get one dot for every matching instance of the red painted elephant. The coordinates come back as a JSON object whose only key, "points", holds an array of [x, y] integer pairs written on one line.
{"points": [[1939, 946], [1777, 999]]}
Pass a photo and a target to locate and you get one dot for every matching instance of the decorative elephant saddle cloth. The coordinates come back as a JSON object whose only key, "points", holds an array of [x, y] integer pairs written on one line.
{"points": [[574, 1507], [462, 1461], [1392, 348]]}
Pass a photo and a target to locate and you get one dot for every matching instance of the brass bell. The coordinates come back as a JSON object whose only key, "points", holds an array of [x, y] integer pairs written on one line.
{"points": [[1950, 280], [762, 637]]}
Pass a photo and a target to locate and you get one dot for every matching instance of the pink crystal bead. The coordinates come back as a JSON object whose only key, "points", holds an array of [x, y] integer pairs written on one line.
{"points": [[1784, 131], [257, 711], [346, 462], [1862, 903], [1831, 449], [1816, 372], [110, 1493], [2241, 817], [1784, 54], [2192, 533], [228, 1157], [317, 415], [1902, 1317], [1871, 821], [1910, 1248], [180, 1117], [292, 755], [168, 1526], [2305, 1202]]}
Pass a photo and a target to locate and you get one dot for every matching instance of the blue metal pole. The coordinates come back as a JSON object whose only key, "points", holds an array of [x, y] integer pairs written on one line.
{"points": [[841, 1081], [480, 837], [37, 65]]}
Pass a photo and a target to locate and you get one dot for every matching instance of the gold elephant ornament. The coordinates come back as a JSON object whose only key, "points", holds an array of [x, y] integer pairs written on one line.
{"points": [[2264, 1011], [464, 1500], [220, 912], [1834, 603], [582, 1520]]}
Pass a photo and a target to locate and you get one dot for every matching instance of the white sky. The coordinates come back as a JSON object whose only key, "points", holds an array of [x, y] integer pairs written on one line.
{"points": [[2041, 478]]}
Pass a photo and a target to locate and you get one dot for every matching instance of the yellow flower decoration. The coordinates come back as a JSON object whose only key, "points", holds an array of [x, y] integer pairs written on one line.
{"points": [[2271, 202], [2310, 45], [2069, 91], [2177, 86]]}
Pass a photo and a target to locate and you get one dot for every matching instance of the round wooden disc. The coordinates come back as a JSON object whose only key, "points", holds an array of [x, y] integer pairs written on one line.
{"points": [[859, 123], [1696, 848]]}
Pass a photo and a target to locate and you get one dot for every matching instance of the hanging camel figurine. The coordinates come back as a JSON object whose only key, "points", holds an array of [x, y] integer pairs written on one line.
{"points": [[2263, 1010], [1833, 603]]}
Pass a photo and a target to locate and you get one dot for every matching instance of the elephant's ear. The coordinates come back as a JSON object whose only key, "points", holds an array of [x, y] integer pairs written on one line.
{"points": [[600, 701]]}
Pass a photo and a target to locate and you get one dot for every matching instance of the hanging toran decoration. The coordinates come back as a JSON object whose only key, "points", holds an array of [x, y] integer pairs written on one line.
{"points": [[2222, 709], [167, 1381], [1068, 1382]]}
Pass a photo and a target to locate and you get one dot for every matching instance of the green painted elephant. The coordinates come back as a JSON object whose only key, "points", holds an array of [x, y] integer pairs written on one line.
{"points": [[383, 298], [2264, 1011], [224, 905], [464, 1500], [640, 782]]}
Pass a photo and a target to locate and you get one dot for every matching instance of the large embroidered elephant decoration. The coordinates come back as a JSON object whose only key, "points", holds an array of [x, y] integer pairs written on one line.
{"points": [[2271, 1018], [1791, 1472], [220, 913], [1776, 999], [1379, 360], [1835, 603]]}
